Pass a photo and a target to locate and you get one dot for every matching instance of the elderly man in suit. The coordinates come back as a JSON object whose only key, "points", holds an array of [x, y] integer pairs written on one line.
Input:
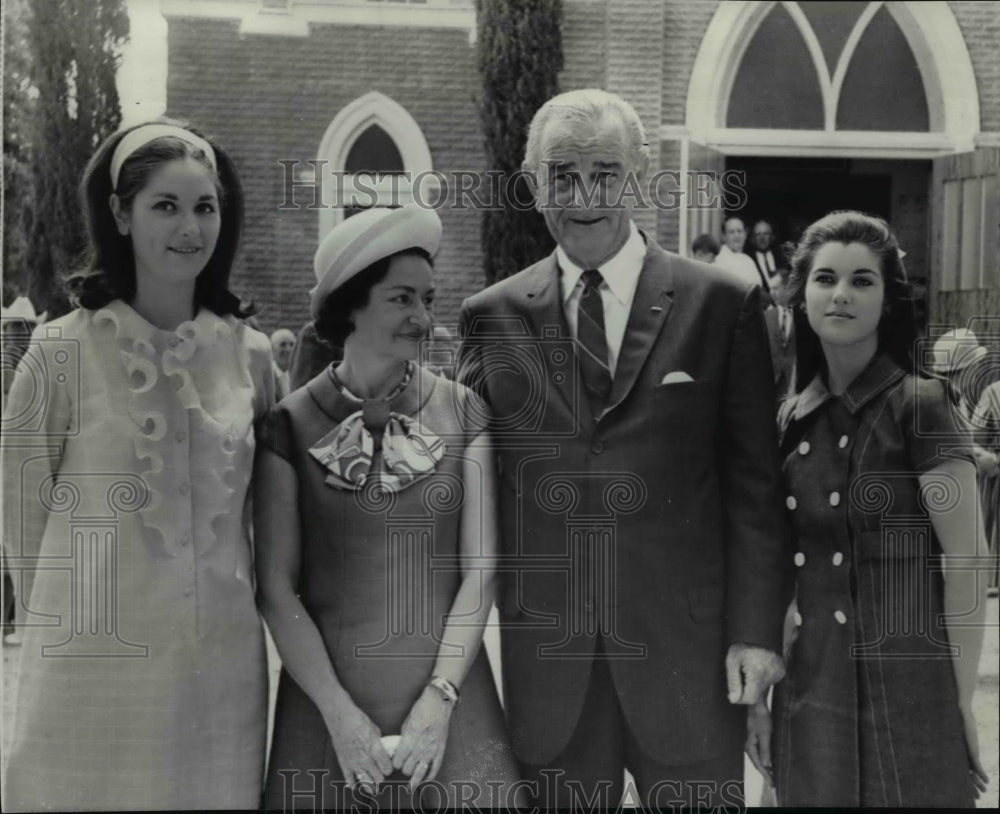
{"points": [[644, 548]]}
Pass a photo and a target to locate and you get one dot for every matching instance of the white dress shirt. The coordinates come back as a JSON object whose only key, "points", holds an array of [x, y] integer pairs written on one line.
{"points": [[739, 263], [765, 260], [621, 276]]}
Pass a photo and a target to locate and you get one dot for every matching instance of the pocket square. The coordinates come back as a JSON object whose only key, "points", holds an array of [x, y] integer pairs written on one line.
{"points": [[676, 377]]}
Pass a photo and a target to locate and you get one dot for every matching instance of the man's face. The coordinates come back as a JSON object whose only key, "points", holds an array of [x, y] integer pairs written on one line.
{"points": [[281, 347], [579, 188], [763, 236], [735, 234]]}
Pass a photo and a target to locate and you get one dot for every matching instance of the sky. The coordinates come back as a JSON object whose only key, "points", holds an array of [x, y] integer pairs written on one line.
{"points": [[142, 78]]}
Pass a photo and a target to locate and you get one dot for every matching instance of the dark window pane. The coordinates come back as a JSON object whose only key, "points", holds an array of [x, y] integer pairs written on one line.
{"points": [[776, 85], [832, 23], [374, 151], [883, 89]]}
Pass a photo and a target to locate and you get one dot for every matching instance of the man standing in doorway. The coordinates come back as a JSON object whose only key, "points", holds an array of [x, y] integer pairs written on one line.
{"points": [[645, 556], [731, 256], [763, 254]]}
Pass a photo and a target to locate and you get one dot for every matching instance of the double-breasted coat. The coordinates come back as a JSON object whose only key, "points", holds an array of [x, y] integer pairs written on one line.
{"points": [[868, 714]]}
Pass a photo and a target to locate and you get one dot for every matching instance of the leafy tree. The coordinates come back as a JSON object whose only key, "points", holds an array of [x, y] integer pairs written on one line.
{"points": [[520, 55], [73, 49], [18, 104]]}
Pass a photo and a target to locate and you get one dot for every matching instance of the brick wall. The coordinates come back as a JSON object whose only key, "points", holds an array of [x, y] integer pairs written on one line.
{"points": [[272, 97], [980, 24], [269, 97], [684, 26]]}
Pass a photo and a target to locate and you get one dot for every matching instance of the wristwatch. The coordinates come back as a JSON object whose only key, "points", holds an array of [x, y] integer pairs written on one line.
{"points": [[448, 690]]}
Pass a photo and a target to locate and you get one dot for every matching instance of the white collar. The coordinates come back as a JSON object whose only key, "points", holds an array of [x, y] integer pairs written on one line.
{"points": [[621, 272]]}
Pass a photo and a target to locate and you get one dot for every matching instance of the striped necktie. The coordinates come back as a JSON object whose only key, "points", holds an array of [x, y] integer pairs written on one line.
{"points": [[593, 342]]}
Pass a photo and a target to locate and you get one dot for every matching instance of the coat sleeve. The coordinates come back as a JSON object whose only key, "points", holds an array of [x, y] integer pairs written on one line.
{"points": [[469, 369], [758, 547]]}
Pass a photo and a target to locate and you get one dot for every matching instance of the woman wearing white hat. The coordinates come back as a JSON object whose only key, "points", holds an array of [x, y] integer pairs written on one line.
{"points": [[375, 535], [958, 359]]}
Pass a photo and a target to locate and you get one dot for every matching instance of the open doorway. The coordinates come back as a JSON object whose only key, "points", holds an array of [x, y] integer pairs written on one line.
{"points": [[793, 192]]}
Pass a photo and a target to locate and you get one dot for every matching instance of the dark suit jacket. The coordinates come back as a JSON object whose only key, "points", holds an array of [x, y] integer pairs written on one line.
{"points": [[782, 352], [658, 527]]}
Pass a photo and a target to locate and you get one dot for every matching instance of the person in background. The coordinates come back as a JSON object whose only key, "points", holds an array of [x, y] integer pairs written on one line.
{"points": [[765, 254], [883, 639], [18, 322], [732, 258], [704, 248], [311, 355], [964, 365], [780, 322], [143, 676], [282, 344], [986, 419]]}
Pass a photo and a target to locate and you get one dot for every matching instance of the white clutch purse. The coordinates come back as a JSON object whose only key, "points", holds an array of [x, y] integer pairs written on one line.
{"points": [[389, 743]]}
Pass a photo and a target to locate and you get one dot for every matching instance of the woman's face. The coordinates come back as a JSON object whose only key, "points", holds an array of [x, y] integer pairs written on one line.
{"points": [[398, 314], [174, 222], [844, 294]]}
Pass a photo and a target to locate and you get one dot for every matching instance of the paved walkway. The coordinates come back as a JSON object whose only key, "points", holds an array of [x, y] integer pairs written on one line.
{"points": [[986, 704]]}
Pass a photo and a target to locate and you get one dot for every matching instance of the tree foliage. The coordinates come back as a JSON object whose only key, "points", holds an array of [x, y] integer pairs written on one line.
{"points": [[519, 45], [18, 104], [73, 52]]}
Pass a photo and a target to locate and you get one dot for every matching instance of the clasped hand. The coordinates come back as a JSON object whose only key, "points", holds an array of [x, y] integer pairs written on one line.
{"points": [[358, 745], [423, 738]]}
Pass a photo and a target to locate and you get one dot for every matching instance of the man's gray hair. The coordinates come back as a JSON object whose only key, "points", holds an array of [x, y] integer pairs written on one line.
{"points": [[585, 107]]}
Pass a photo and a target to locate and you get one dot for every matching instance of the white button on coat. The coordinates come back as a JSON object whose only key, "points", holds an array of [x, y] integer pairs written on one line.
{"points": [[791, 502], [798, 619], [800, 559], [840, 617], [843, 442], [838, 558], [804, 448], [835, 498]]}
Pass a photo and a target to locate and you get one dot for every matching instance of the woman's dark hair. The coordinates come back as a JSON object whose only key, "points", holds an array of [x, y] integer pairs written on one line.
{"points": [[897, 329], [334, 323], [109, 266]]}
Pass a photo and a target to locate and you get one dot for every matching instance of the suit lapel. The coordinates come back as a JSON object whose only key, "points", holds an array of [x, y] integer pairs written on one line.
{"points": [[650, 307], [545, 307]]}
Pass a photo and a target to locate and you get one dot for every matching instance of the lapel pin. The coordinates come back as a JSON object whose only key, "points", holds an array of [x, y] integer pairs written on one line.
{"points": [[655, 309]]}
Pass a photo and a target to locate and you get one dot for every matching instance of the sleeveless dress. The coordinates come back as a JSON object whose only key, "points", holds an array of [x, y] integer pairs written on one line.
{"points": [[127, 454], [868, 714], [379, 572]]}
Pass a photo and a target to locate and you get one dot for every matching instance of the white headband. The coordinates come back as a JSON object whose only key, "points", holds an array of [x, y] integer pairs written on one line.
{"points": [[141, 136]]}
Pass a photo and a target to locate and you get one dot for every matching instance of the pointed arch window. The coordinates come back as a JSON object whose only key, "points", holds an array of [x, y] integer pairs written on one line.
{"points": [[375, 153], [829, 66]]}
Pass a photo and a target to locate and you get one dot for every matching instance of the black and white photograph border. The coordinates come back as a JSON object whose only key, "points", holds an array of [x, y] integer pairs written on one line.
{"points": [[754, 108]]}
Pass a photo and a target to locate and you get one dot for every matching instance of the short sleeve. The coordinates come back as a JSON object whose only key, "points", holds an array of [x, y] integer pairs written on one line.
{"points": [[935, 433], [276, 433], [261, 371]]}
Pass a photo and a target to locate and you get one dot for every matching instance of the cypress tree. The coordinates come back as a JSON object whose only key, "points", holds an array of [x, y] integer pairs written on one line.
{"points": [[74, 51], [519, 50]]}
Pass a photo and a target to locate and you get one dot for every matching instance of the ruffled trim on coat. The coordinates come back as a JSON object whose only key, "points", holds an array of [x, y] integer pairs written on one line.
{"points": [[207, 334]]}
